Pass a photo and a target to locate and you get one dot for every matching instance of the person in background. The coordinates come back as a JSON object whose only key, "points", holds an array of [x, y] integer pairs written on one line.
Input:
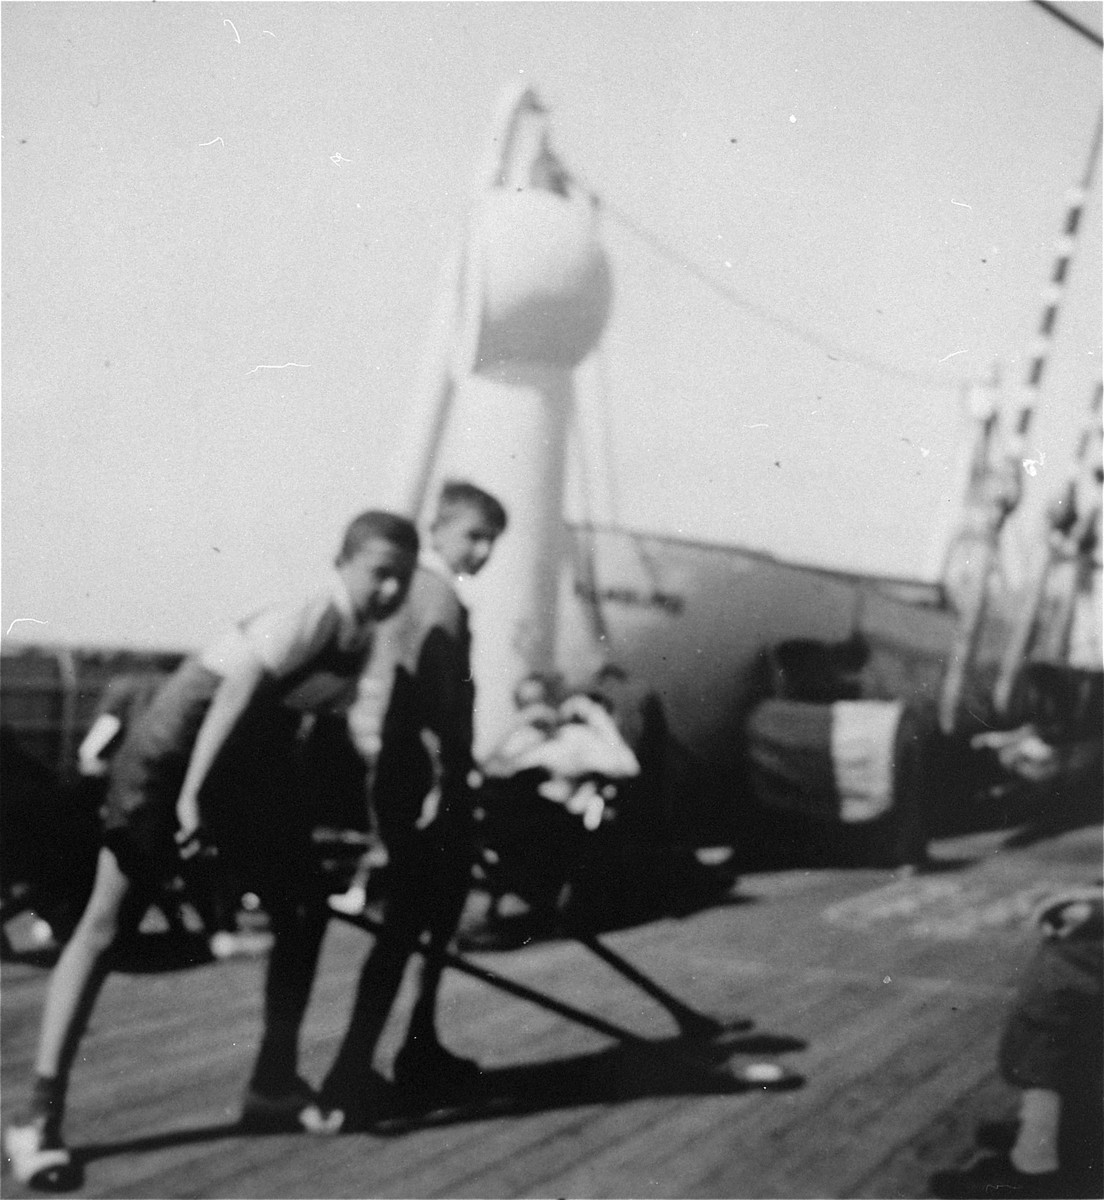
{"points": [[1051, 1051], [536, 700], [554, 779], [575, 746], [415, 721], [223, 727]]}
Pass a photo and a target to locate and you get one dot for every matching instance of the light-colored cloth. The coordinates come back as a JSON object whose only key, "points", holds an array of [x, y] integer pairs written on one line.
{"points": [[584, 742], [863, 735], [103, 734], [430, 560], [535, 724], [580, 748]]}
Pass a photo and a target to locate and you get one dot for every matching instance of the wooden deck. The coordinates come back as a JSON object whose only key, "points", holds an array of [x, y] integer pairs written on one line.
{"points": [[885, 995]]}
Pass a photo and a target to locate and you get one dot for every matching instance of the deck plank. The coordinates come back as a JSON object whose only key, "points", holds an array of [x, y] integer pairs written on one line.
{"points": [[885, 995]]}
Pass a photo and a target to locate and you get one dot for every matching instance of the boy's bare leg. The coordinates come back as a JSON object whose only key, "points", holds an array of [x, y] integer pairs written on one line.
{"points": [[34, 1145], [80, 972]]}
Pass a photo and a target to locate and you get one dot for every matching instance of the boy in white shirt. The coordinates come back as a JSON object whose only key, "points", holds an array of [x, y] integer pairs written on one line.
{"points": [[229, 716]]}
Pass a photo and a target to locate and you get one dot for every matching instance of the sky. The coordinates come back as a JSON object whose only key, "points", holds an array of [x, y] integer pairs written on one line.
{"points": [[223, 226]]}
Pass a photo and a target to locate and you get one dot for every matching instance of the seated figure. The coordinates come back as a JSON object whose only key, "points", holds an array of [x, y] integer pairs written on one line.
{"points": [[550, 784], [574, 742], [536, 698], [1051, 1052]]}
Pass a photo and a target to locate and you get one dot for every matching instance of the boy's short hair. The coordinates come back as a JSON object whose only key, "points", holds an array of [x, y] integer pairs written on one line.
{"points": [[459, 493], [373, 524]]}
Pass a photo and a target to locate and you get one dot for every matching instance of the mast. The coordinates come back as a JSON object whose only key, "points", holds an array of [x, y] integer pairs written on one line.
{"points": [[1052, 297], [1004, 484]]}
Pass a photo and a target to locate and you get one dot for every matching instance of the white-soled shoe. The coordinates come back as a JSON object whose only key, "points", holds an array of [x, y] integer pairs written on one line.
{"points": [[350, 903], [39, 1159], [322, 1122], [291, 1111]]}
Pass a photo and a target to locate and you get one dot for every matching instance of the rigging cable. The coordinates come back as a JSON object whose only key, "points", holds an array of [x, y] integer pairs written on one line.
{"points": [[698, 272], [583, 543], [1059, 277], [1066, 19], [835, 352], [613, 487], [605, 391]]}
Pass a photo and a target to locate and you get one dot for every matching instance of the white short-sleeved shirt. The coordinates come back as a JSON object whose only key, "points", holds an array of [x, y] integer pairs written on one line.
{"points": [[314, 650]]}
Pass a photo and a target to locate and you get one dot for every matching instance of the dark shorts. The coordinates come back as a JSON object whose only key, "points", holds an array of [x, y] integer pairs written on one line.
{"points": [[139, 812], [253, 803]]}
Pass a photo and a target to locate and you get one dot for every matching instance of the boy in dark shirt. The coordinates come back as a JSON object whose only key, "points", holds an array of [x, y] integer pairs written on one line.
{"points": [[422, 697]]}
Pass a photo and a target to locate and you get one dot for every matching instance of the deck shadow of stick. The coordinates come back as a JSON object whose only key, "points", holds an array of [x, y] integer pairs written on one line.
{"points": [[158, 1141], [614, 1075]]}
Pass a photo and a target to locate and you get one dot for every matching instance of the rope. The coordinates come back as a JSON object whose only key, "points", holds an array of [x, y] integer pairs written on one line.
{"points": [[601, 371], [1066, 19], [729, 294], [592, 603], [601, 365]]}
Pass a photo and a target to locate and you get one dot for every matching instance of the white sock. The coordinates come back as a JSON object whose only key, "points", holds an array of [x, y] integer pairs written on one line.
{"points": [[1036, 1148]]}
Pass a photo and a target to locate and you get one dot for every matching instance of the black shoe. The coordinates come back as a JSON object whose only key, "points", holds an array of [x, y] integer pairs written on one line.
{"points": [[291, 1109], [345, 1105], [995, 1178], [426, 1070], [997, 1135]]}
